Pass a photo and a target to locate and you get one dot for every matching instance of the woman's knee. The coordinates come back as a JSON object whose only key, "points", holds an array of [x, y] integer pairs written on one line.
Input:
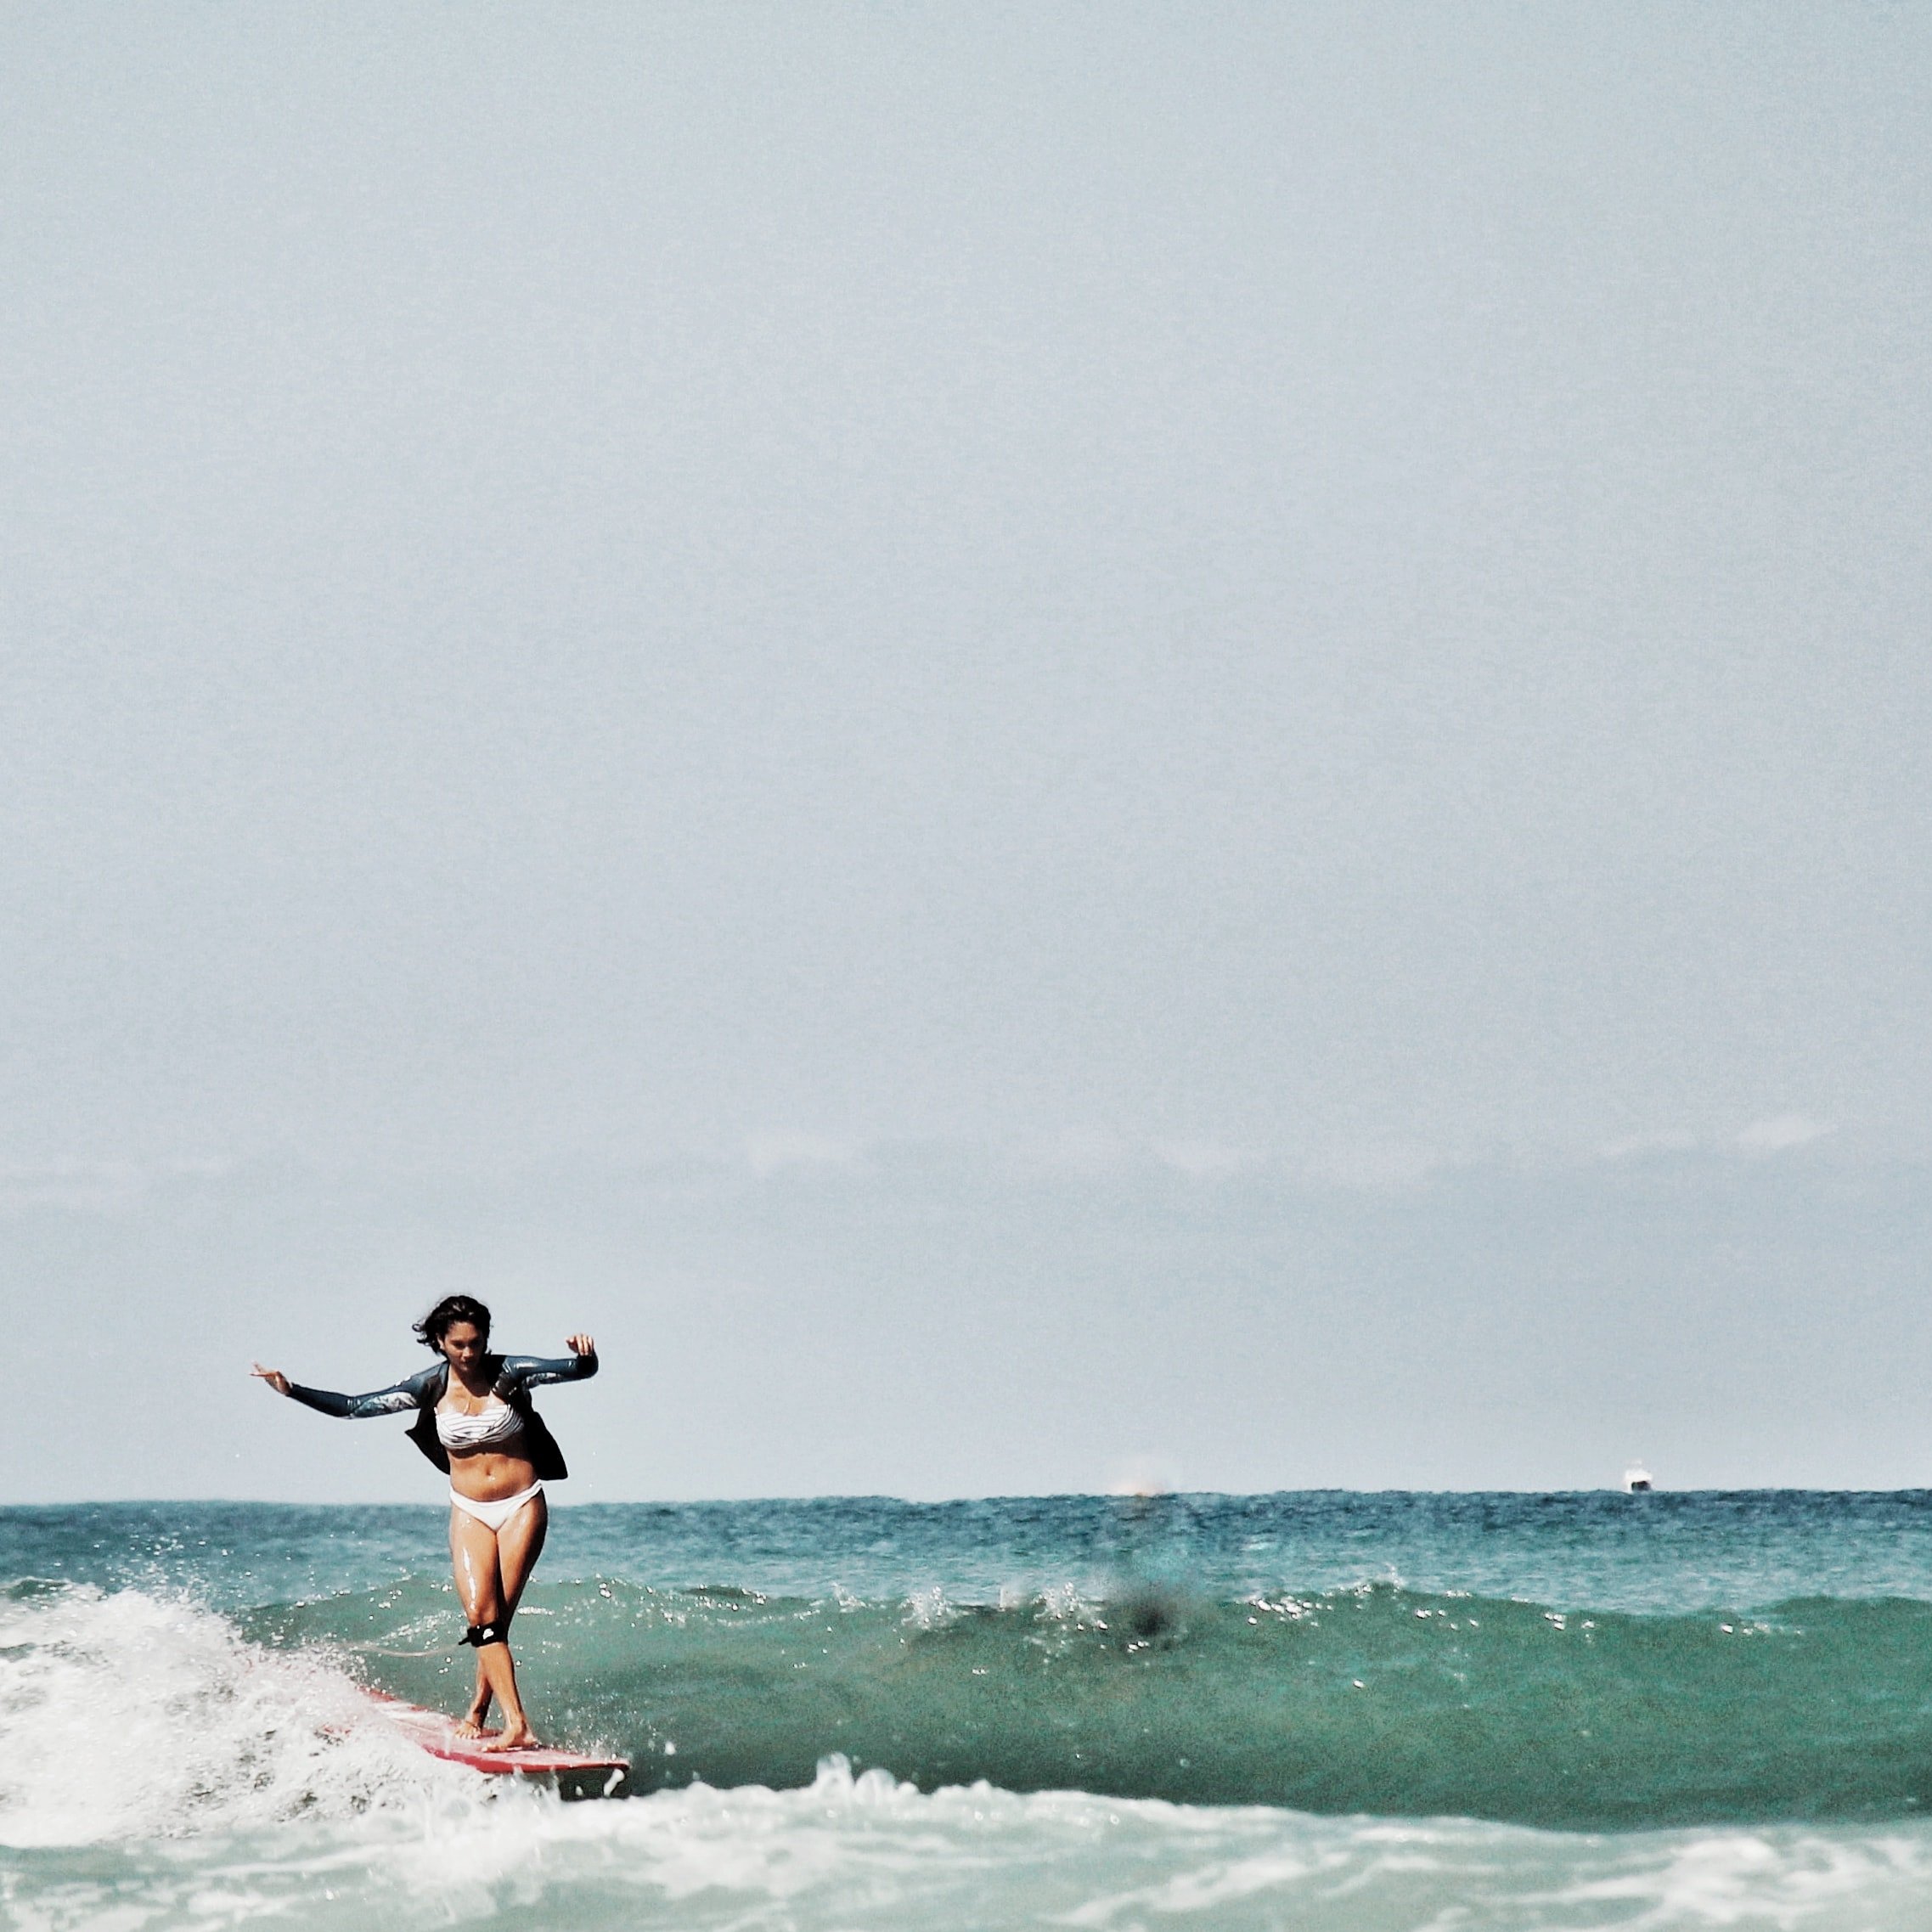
{"points": [[487, 1631]]}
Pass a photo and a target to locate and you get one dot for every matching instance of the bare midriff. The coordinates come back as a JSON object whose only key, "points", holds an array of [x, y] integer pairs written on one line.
{"points": [[488, 1475]]}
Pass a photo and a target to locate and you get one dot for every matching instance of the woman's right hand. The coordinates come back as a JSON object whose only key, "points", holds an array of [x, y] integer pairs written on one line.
{"points": [[274, 1376]]}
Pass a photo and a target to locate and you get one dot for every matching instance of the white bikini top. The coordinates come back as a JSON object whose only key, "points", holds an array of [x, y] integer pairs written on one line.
{"points": [[482, 1430]]}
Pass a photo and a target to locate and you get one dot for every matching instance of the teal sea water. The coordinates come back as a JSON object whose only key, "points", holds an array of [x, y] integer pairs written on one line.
{"points": [[1301, 1710]]}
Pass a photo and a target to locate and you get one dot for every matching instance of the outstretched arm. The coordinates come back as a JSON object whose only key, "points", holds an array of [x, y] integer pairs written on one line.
{"points": [[390, 1401], [526, 1372]]}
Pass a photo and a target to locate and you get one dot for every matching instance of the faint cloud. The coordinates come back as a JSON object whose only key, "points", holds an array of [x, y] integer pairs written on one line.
{"points": [[1201, 1160], [1084, 1151], [1387, 1164], [1768, 1136], [199, 1167], [1664, 1141], [772, 1153], [97, 1187], [1782, 1130]]}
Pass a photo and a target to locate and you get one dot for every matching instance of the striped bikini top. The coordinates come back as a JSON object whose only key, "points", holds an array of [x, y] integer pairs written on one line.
{"points": [[483, 1430]]}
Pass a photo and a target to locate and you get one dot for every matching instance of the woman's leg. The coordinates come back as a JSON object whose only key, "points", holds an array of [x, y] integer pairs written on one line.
{"points": [[520, 1542], [479, 1589], [471, 1724], [471, 1560]]}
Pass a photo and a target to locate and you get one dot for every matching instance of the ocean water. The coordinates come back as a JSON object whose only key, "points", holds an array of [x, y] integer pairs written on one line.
{"points": [[1295, 1711]]}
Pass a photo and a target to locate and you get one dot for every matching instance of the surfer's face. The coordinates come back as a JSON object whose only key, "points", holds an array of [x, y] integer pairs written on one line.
{"points": [[463, 1344]]}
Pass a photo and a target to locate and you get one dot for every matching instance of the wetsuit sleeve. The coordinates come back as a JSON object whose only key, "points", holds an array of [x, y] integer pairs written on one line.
{"points": [[394, 1401], [526, 1372]]}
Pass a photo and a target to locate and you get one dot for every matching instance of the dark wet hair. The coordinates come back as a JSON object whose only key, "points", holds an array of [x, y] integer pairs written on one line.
{"points": [[447, 1313]]}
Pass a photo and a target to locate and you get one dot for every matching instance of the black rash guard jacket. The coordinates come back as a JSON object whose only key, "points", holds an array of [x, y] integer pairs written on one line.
{"points": [[514, 1376]]}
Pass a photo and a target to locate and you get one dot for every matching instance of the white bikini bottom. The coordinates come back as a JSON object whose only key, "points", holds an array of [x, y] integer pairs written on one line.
{"points": [[496, 1514]]}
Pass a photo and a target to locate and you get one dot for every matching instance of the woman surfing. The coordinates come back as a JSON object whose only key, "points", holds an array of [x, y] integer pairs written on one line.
{"points": [[475, 1421]]}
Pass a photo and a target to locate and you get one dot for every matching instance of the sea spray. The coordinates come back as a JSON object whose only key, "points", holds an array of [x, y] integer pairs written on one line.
{"points": [[124, 1714]]}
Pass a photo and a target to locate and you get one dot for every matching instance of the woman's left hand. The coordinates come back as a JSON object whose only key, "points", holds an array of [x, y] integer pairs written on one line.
{"points": [[580, 1345]]}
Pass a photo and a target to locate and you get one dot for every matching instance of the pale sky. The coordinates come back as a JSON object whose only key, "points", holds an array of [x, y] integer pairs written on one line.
{"points": [[1041, 742]]}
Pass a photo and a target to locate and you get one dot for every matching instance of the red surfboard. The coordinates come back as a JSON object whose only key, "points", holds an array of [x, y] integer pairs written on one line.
{"points": [[577, 1774]]}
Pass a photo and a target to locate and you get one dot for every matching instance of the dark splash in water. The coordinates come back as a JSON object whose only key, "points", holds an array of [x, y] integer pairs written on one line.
{"points": [[1578, 1661]]}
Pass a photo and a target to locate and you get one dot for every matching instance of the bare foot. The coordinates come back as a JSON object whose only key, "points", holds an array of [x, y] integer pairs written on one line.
{"points": [[471, 1724], [512, 1738]]}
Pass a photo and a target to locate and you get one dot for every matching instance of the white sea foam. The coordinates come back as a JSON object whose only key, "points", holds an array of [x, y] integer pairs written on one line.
{"points": [[868, 1854], [159, 1771], [126, 1715]]}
